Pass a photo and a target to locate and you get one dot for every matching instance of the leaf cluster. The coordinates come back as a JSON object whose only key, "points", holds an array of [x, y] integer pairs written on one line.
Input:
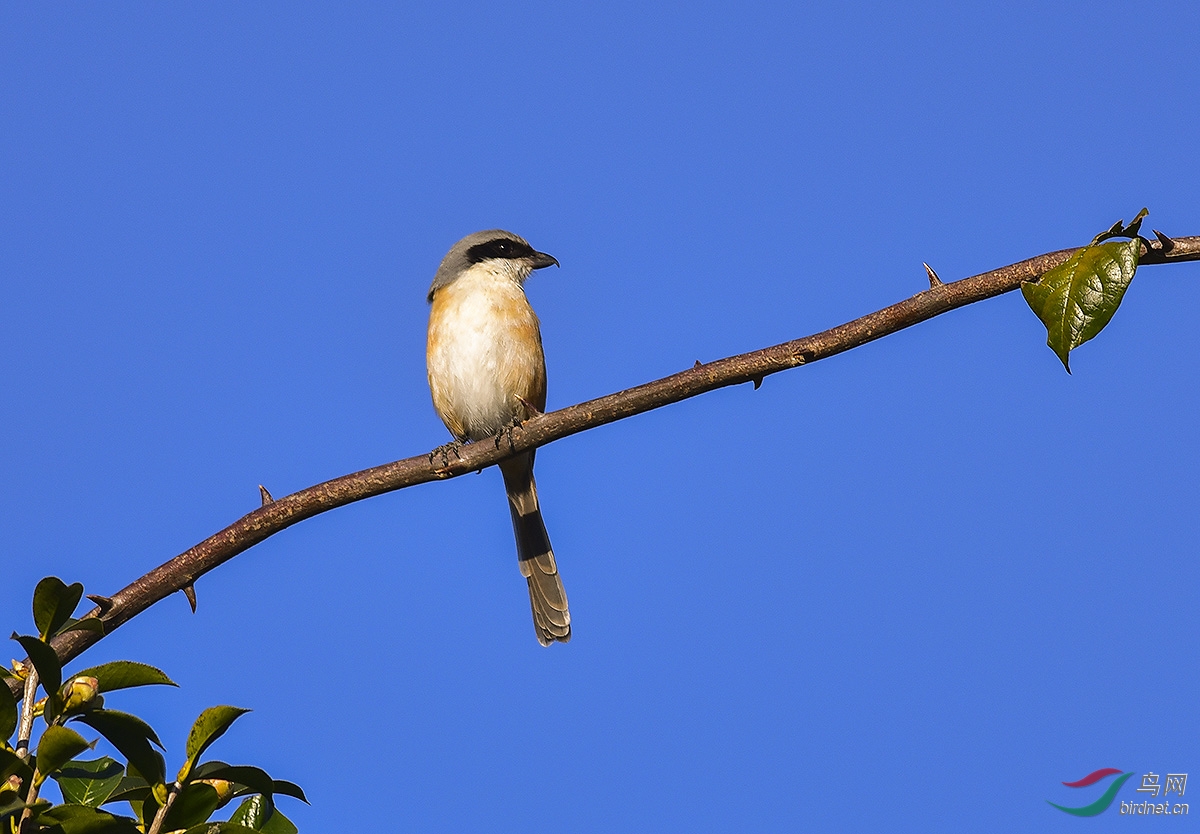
{"points": [[185, 804]]}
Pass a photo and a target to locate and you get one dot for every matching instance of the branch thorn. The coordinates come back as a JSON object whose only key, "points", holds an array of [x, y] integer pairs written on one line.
{"points": [[1167, 243], [189, 591], [757, 380], [266, 495], [105, 604], [934, 280], [534, 411]]}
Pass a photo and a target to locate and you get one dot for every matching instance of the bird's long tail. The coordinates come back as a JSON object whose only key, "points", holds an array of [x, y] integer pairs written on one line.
{"points": [[551, 619]]}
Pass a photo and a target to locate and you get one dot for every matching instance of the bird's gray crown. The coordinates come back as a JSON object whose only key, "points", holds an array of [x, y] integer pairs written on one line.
{"points": [[482, 246]]}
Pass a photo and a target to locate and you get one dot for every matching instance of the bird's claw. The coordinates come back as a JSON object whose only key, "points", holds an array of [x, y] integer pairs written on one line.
{"points": [[445, 450], [507, 432]]}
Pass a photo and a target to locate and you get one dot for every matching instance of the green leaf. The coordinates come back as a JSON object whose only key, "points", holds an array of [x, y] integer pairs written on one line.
{"points": [[209, 727], [83, 819], [253, 778], [53, 604], [123, 674], [220, 828], [90, 783], [45, 661], [132, 736], [195, 804], [131, 789], [285, 788], [146, 810], [1076, 299], [58, 746], [253, 812], [202, 770], [12, 764], [130, 723], [10, 809], [259, 813], [279, 824], [8, 712]]}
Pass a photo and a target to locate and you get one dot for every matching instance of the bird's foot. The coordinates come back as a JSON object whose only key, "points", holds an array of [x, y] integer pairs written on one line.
{"points": [[445, 451], [507, 433]]}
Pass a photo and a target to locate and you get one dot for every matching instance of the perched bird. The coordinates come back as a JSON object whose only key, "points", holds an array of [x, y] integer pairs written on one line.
{"points": [[487, 372]]}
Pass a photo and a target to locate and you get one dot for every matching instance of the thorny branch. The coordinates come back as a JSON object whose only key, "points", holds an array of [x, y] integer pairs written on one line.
{"points": [[275, 515]]}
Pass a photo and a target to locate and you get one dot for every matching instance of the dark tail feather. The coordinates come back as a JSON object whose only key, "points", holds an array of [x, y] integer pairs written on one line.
{"points": [[551, 619]]}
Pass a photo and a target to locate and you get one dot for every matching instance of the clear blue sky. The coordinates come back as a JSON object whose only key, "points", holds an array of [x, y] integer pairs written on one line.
{"points": [[913, 587]]}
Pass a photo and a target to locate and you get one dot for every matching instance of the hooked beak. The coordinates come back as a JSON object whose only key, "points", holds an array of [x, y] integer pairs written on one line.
{"points": [[541, 259]]}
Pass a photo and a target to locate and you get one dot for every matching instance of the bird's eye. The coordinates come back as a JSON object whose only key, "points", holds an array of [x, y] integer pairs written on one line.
{"points": [[497, 248]]}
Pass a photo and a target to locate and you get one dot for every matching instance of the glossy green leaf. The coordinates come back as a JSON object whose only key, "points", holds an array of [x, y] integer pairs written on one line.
{"points": [[9, 809], [91, 782], [253, 812], [57, 746], [123, 674], [220, 828], [83, 819], [195, 804], [253, 778], [259, 813], [285, 788], [125, 721], [201, 771], [277, 823], [45, 661], [1076, 299], [11, 764], [8, 712], [209, 727], [131, 789], [54, 602], [132, 736], [146, 810]]}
